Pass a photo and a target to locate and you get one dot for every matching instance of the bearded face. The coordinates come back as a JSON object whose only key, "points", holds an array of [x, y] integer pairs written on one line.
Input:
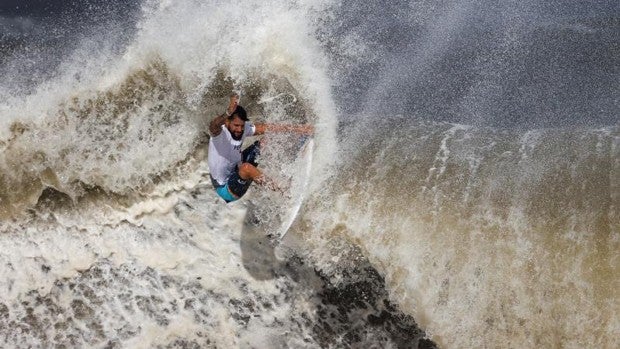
{"points": [[235, 127]]}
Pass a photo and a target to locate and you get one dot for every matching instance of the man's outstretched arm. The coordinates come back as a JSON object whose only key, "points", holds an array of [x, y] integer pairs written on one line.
{"points": [[305, 129]]}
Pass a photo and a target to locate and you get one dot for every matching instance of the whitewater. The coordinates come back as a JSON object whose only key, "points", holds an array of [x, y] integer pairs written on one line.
{"points": [[464, 192]]}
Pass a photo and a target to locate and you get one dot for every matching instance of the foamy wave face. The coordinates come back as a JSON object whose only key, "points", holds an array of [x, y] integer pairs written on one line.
{"points": [[489, 237]]}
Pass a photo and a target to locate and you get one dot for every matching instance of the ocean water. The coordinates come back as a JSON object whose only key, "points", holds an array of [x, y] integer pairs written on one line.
{"points": [[465, 187]]}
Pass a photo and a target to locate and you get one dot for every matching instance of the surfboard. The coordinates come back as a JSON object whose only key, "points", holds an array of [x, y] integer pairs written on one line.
{"points": [[289, 163], [299, 185]]}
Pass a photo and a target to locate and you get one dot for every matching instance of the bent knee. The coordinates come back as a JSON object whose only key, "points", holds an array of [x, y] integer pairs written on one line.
{"points": [[246, 167], [248, 171]]}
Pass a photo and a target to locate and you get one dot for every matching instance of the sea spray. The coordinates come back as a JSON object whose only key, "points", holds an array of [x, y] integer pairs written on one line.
{"points": [[457, 144], [488, 233]]}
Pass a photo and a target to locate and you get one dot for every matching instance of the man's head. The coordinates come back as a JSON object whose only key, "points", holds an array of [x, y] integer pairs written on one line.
{"points": [[235, 123]]}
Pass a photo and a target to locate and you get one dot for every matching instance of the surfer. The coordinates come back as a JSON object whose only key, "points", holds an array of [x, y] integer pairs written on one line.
{"points": [[233, 170]]}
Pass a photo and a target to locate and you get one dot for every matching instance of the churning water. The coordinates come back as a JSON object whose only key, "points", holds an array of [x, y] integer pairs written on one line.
{"points": [[465, 191]]}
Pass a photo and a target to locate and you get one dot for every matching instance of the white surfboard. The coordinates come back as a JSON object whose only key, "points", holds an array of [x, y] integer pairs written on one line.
{"points": [[298, 188]]}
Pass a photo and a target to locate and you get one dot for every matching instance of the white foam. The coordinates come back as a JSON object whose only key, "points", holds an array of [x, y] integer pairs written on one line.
{"points": [[490, 260]]}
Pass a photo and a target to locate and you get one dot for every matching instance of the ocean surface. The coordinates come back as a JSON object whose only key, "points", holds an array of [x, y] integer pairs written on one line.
{"points": [[465, 187]]}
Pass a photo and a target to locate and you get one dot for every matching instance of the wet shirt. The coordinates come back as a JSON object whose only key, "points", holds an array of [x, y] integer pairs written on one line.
{"points": [[225, 152]]}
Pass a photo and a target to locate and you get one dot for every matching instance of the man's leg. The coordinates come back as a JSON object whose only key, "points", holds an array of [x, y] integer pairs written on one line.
{"points": [[239, 182], [247, 171]]}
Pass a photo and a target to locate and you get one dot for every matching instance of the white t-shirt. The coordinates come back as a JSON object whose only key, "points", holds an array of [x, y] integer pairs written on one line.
{"points": [[225, 152]]}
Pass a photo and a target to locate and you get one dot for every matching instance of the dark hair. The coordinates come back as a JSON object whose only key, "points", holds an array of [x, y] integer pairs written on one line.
{"points": [[240, 112]]}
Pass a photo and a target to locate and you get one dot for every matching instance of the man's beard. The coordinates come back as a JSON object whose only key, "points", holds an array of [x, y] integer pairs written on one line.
{"points": [[237, 138]]}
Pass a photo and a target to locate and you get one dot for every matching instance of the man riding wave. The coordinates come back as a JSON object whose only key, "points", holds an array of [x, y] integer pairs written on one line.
{"points": [[233, 170]]}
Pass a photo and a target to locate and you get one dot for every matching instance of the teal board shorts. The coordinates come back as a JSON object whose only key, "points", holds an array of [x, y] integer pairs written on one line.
{"points": [[234, 188], [224, 193]]}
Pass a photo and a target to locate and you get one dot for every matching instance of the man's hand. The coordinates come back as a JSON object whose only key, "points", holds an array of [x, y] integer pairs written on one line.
{"points": [[215, 127], [232, 105]]}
